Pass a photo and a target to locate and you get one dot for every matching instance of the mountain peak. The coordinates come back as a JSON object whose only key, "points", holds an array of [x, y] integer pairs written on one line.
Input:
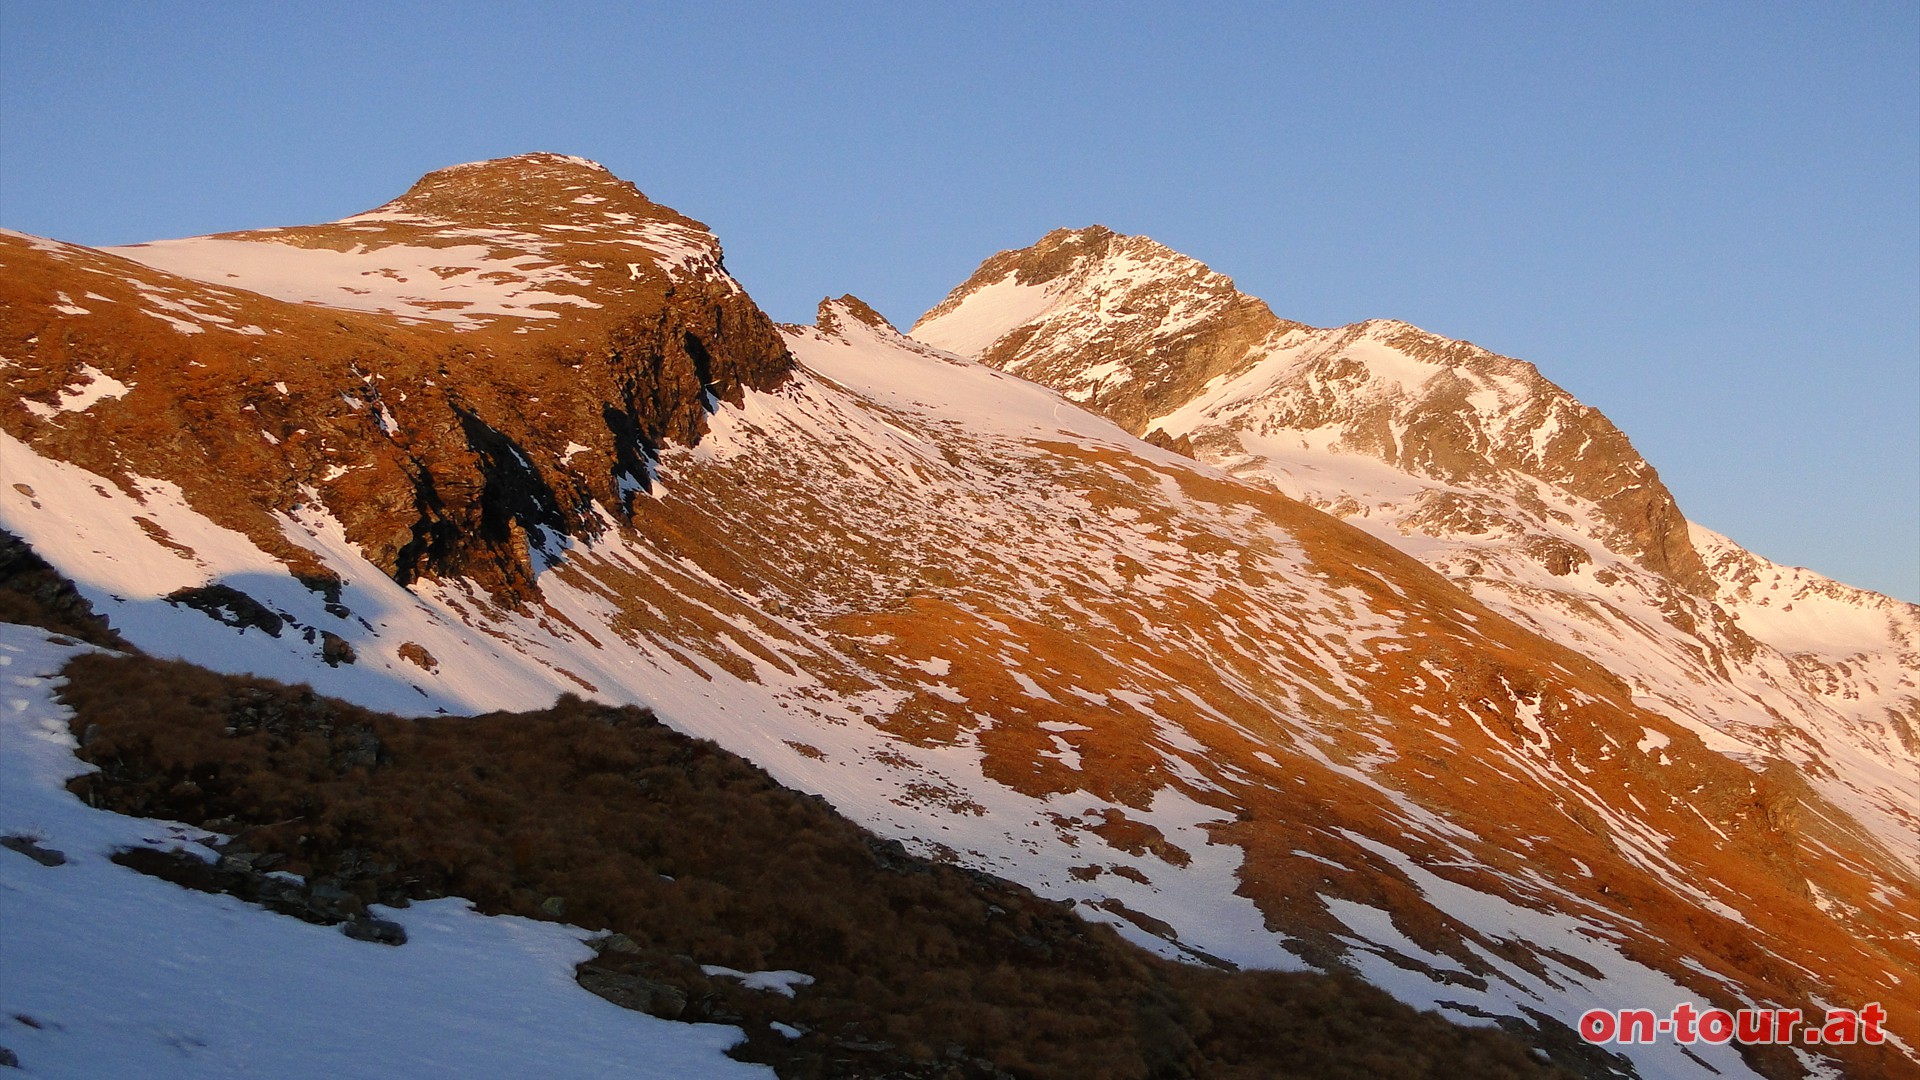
{"points": [[848, 306], [536, 243], [523, 189], [1122, 324], [532, 327], [1072, 256], [537, 164], [1157, 340]]}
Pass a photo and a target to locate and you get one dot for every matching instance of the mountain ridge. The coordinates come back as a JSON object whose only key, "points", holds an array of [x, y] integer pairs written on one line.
{"points": [[1140, 333]]}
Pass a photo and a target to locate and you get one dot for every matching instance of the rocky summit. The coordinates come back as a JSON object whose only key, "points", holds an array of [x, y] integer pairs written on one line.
{"points": [[1267, 646], [406, 366]]}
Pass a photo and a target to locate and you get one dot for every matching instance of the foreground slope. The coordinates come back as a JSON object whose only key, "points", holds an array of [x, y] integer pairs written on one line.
{"points": [[981, 620], [826, 952], [110, 973]]}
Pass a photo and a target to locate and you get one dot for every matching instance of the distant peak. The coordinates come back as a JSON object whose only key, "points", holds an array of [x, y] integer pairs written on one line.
{"points": [[1057, 253], [1089, 236], [831, 312], [1095, 261], [1121, 324]]}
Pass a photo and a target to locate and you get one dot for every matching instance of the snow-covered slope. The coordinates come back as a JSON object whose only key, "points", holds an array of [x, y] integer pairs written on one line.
{"points": [[1490, 474], [982, 620], [110, 973]]}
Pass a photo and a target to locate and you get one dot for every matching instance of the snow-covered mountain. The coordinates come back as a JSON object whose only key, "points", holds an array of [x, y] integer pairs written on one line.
{"points": [[519, 433], [1490, 474]]}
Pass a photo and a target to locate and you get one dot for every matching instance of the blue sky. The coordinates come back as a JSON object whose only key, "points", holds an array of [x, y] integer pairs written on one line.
{"points": [[1702, 218]]}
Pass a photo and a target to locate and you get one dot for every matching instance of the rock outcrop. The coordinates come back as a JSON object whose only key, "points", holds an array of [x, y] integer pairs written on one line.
{"points": [[466, 378]]}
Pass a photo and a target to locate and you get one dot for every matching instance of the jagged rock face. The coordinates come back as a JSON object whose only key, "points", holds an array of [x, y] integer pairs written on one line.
{"points": [[1485, 421], [1136, 331], [1167, 324], [459, 376]]}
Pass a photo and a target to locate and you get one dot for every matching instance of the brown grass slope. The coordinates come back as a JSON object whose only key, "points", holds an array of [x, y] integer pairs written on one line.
{"points": [[1245, 617], [605, 817]]}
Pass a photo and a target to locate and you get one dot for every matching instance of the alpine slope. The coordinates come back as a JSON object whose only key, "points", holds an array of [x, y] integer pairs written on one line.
{"points": [[1490, 474]]}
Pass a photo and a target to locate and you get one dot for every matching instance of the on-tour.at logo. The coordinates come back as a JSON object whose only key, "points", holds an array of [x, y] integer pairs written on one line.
{"points": [[1686, 1025]]}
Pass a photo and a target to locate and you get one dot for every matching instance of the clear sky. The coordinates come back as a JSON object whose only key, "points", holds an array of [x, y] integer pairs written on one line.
{"points": [[1702, 218]]}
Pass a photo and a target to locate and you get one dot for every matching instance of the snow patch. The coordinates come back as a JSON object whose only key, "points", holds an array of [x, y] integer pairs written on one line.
{"points": [[985, 316], [461, 284], [784, 983]]}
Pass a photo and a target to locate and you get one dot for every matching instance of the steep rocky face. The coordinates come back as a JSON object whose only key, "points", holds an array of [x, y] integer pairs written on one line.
{"points": [[460, 376], [1167, 324], [1480, 420]]}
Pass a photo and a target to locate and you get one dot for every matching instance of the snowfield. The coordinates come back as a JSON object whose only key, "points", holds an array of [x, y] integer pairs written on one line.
{"points": [[462, 283]]}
